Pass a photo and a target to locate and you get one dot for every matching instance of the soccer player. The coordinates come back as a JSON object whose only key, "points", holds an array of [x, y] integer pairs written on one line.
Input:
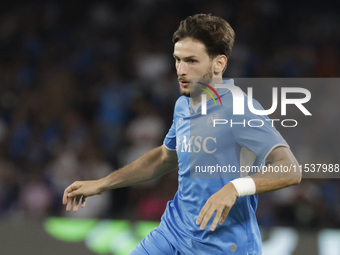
{"points": [[207, 215]]}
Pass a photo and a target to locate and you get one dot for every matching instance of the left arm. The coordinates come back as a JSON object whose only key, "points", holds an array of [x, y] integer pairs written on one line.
{"points": [[225, 198], [281, 156]]}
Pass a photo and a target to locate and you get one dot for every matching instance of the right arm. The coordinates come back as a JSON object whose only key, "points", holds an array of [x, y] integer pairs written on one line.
{"points": [[151, 165]]}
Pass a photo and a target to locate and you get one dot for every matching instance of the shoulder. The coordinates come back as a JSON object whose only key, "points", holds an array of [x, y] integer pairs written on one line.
{"points": [[182, 104], [182, 100], [237, 93]]}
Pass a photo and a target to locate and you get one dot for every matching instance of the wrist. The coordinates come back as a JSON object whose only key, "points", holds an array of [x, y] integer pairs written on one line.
{"points": [[244, 186], [230, 189], [104, 184]]}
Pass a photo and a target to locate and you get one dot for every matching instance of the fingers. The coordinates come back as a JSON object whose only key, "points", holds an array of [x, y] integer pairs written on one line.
{"points": [[224, 216], [76, 203], [68, 191], [70, 196], [205, 214], [69, 204], [209, 214], [221, 201], [206, 219], [216, 219], [202, 213], [78, 192], [83, 202]]}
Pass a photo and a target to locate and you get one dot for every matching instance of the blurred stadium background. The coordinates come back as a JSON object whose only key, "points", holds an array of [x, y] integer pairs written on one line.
{"points": [[88, 86]]}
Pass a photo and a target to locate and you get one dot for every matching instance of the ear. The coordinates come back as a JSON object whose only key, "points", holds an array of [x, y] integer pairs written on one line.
{"points": [[220, 64]]}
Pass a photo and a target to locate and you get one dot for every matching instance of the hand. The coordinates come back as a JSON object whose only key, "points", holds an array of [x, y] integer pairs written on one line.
{"points": [[81, 190], [221, 201]]}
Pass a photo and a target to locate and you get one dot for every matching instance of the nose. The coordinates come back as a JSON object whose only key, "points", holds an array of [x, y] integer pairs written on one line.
{"points": [[182, 68]]}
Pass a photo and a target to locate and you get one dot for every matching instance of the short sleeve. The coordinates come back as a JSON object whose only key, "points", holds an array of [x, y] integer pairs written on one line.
{"points": [[256, 133], [170, 139]]}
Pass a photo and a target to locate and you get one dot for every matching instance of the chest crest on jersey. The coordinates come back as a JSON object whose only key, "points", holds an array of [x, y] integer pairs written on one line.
{"points": [[211, 118]]}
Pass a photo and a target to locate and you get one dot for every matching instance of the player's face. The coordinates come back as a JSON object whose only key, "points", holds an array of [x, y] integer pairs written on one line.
{"points": [[192, 61]]}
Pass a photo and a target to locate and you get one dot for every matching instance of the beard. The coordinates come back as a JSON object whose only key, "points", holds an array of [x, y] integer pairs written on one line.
{"points": [[207, 77]]}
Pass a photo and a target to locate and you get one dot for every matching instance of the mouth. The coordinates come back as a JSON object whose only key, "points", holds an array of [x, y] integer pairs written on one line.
{"points": [[184, 84]]}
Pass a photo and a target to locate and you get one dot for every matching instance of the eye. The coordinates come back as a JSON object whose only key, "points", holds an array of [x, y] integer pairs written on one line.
{"points": [[191, 61]]}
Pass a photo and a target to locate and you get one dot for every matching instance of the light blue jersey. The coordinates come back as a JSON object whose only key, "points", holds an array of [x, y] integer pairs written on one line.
{"points": [[200, 145]]}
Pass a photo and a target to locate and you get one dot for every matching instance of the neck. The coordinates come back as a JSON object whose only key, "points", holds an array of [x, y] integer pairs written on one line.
{"points": [[195, 101]]}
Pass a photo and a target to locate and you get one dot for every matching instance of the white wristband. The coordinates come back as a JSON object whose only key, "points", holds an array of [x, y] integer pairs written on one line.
{"points": [[245, 186]]}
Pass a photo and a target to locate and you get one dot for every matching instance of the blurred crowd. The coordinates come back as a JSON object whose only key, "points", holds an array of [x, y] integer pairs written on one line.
{"points": [[87, 87]]}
